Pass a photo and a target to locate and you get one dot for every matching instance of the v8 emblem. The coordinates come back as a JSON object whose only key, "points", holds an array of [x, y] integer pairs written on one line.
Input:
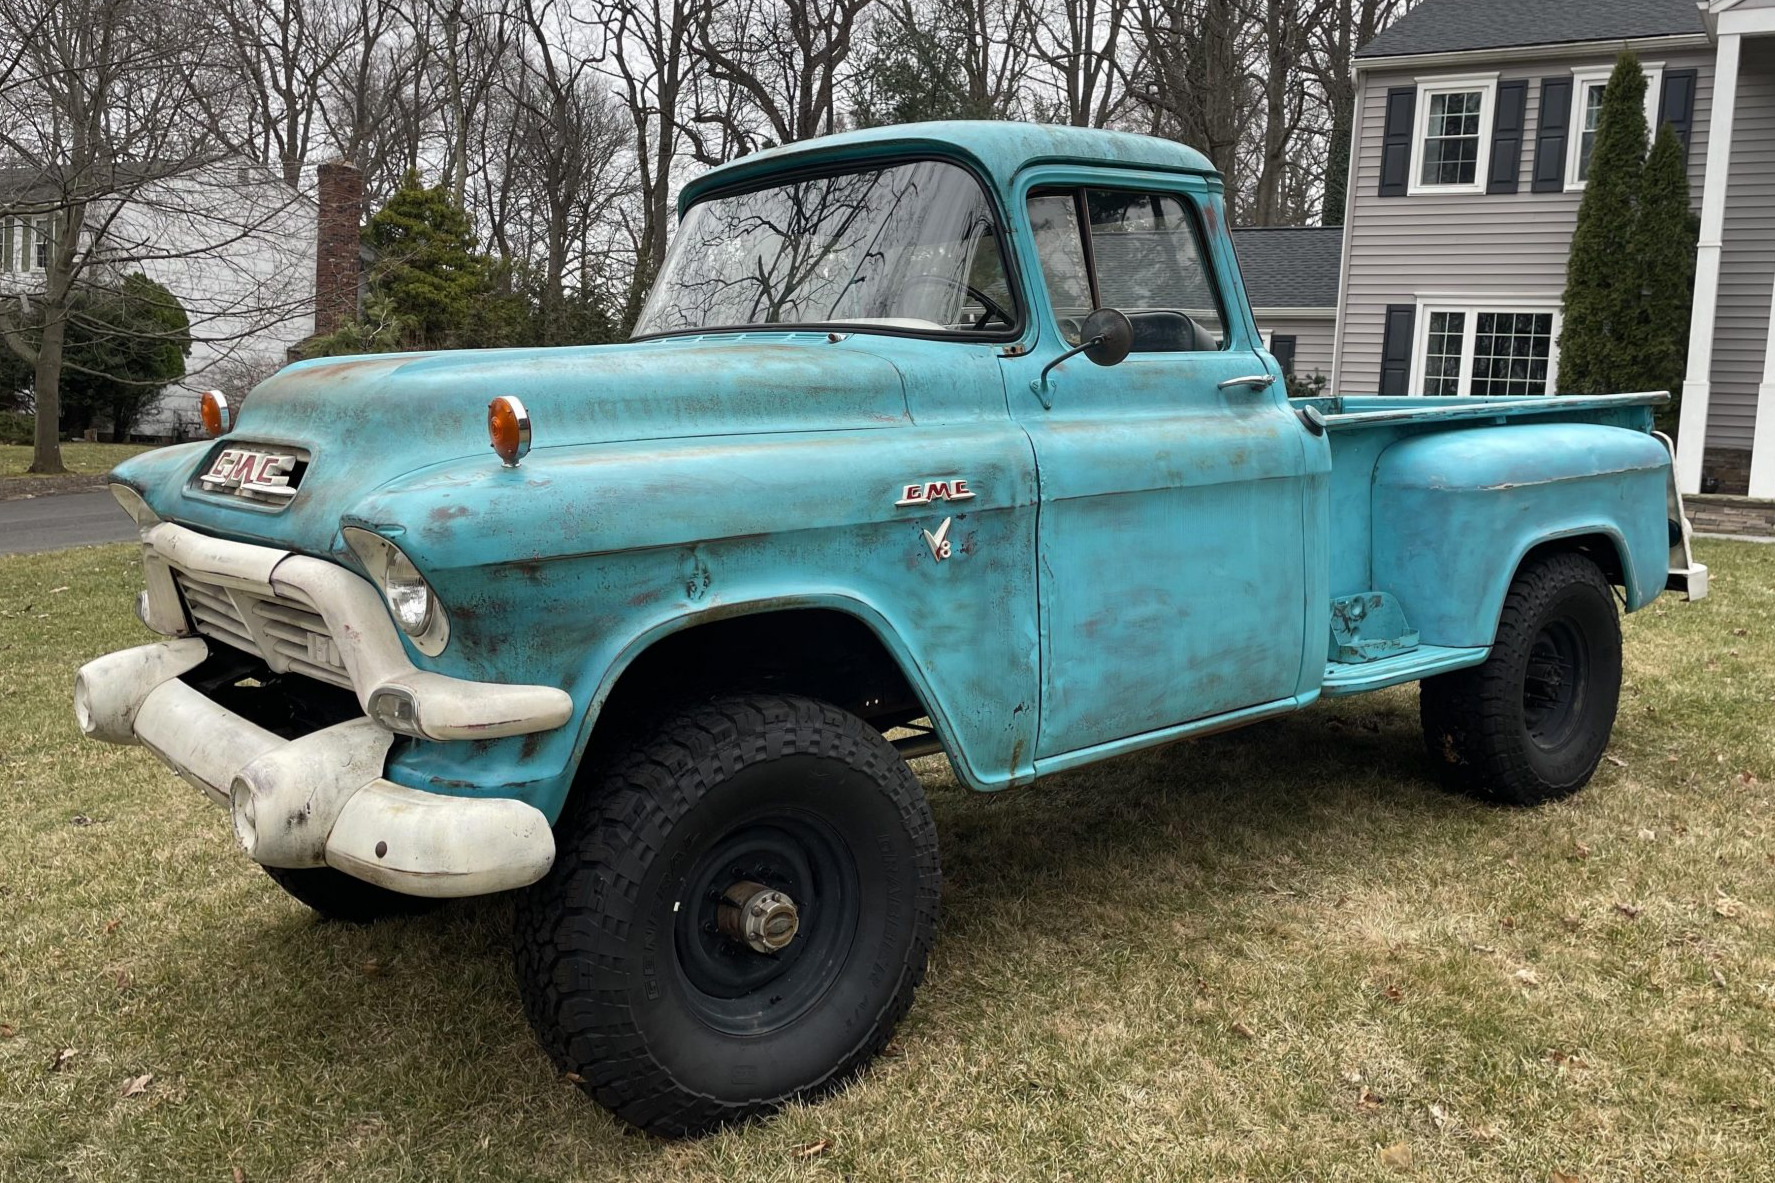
{"points": [[939, 542]]}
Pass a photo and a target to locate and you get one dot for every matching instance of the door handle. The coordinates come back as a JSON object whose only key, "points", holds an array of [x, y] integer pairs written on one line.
{"points": [[1254, 381]]}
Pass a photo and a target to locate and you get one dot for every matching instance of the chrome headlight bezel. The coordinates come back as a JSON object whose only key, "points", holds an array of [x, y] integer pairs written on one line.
{"points": [[411, 601]]}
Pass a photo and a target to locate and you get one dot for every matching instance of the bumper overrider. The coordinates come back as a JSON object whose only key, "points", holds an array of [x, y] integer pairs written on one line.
{"points": [[319, 799]]}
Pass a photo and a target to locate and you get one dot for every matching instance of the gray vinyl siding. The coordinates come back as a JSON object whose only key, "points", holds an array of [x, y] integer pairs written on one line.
{"points": [[1312, 340], [1469, 244], [1747, 261]]}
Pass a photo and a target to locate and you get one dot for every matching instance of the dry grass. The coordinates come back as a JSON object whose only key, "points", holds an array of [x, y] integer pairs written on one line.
{"points": [[79, 458], [1268, 955]]}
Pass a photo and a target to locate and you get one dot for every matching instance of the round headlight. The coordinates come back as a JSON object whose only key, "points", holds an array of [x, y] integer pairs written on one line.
{"points": [[409, 596]]}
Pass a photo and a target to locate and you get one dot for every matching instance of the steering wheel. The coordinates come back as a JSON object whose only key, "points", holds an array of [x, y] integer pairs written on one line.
{"points": [[993, 308]]}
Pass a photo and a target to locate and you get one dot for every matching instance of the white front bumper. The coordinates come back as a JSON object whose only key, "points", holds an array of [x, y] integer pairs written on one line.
{"points": [[320, 799]]}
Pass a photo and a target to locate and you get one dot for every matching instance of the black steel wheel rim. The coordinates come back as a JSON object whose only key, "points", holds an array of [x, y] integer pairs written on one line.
{"points": [[733, 988], [1553, 684]]}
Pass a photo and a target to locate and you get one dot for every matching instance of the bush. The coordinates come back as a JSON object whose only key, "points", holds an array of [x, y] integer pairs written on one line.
{"points": [[15, 427]]}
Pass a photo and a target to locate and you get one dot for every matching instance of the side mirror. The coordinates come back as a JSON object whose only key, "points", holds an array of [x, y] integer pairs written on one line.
{"points": [[1108, 335]]}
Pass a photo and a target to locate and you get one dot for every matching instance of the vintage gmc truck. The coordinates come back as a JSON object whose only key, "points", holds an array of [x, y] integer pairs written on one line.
{"points": [[953, 437]]}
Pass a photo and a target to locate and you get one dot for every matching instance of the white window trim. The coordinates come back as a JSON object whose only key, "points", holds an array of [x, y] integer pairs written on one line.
{"points": [[1487, 84], [1584, 78], [1472, 306]]}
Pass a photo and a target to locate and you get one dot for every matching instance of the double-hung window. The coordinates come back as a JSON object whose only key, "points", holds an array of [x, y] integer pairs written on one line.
{"points": [[1587, 91], [1486, 350], [1451, 148]]}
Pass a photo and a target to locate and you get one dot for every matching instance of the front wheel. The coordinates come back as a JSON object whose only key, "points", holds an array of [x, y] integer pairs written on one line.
{"points": [[1531, 723], [737, 917]]}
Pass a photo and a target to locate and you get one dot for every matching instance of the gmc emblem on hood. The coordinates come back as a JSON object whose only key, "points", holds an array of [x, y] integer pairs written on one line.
{"points": [[259, 474]]}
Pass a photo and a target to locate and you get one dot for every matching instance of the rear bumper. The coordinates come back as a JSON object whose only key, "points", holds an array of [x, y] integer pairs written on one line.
{"points": [[318, 800]]}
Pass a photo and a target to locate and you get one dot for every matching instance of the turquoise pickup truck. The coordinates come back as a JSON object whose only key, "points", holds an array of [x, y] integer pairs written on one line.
{"points": [[947, 438]]}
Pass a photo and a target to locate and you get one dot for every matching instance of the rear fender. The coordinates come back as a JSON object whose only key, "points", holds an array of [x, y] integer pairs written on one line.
{"points": [[1455, 514]]}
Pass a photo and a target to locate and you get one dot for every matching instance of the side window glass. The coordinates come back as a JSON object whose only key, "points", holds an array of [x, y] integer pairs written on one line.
{"points": [[1054, 219], [1151, 265]]}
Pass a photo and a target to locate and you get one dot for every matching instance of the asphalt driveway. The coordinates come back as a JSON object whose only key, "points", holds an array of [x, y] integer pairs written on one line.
{"points": [[60, 520]]}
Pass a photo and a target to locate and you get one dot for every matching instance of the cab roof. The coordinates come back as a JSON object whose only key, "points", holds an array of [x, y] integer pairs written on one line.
{"points": [[999, 149]]}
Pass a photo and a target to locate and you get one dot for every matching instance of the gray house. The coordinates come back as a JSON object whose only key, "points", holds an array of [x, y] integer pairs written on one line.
{"points": [[1291, 275], [1474, 123]]}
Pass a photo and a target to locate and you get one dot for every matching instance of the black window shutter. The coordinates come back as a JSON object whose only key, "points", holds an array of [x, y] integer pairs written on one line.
{"points": [[1676, 105], [1282, 349], [1506, 136], [1396, 349], [1396, 140], [1550, 136]]}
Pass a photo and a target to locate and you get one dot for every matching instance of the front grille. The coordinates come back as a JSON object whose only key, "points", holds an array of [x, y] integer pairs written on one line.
{"points": [[285, 631]]}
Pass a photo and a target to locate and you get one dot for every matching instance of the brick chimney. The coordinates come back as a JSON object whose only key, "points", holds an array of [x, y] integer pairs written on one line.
{"points": [[338, 261]]}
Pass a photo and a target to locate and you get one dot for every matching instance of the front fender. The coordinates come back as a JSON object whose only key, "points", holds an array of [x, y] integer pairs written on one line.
{"points": [[1455, 513], [562, 571]]}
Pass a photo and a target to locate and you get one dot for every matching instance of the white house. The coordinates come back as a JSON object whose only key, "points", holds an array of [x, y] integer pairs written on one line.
{"points": [[233, 241]]}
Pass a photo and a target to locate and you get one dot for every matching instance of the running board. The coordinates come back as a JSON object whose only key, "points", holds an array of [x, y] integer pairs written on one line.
{"points": [[1422, 662]]}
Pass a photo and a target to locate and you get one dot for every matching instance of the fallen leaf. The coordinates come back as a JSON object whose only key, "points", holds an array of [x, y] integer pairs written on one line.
{"points": [[1353, 1076], [1562, 1177], [812, 1149], [80, 819], [1741, 632], [1397, 1156], [1483, 1133], [1748, 779], [138, 1084], [1441, 1117], [240, 1176], [1628, 910], [1567, 1060], [7, 1030], [61, 1059], [1615, 760], [1369, 1101], [1527, 976], [1508, 922], [1394, 992], [1483, 948], [1572, 923], [573, 1078], [892, 1049], [371, 968], [1243, 1031], [1728, 907], [1719, 979], [1580, 851], [1648, 835], [123, 979], [111, 926]]}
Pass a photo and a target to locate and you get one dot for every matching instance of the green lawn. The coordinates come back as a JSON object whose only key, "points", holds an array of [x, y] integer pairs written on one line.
{"points": [[1271, 955], [93, 459]]}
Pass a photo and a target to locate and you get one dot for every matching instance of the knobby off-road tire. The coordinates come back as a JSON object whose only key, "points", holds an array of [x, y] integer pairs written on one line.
{"points": [[628, 976], [1531, 723], [339, 896]]}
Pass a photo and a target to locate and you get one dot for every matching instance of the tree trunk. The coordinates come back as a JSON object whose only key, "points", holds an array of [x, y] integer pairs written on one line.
{"points": [[46, 453]]}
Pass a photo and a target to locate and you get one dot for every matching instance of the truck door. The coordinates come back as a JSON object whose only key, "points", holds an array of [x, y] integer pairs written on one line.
{"points": [[1172, 534]]}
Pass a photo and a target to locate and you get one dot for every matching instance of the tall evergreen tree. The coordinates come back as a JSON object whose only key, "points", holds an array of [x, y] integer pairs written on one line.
{"points": [[1663, 249], [1598, 348]]}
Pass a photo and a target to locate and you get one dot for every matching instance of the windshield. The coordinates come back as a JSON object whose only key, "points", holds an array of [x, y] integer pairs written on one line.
{"points": [[910, 247]]}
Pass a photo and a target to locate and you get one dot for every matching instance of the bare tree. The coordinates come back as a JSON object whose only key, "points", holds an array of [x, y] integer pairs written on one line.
{"points": [[114, 168], [779, 64]]}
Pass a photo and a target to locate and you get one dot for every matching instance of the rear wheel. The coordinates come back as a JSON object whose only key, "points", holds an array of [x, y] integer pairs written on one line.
{"points": [[339, 896], [737, 917], [1531, 723]]}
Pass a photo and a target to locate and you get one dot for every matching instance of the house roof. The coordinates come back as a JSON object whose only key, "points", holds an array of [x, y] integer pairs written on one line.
{"points": [[1451, 26], [1290, 266]]}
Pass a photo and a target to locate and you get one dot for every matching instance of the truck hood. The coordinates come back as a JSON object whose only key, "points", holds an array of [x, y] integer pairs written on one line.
{"points": [[368, 421]]}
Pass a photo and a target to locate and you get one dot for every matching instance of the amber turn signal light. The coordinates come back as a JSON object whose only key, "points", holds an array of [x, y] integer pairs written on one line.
{"points": [[214, 408], [508, 429]]}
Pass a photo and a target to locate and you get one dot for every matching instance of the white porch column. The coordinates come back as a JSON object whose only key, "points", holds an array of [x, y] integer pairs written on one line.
{"points": [[1762, 444], [1697, 383]]}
